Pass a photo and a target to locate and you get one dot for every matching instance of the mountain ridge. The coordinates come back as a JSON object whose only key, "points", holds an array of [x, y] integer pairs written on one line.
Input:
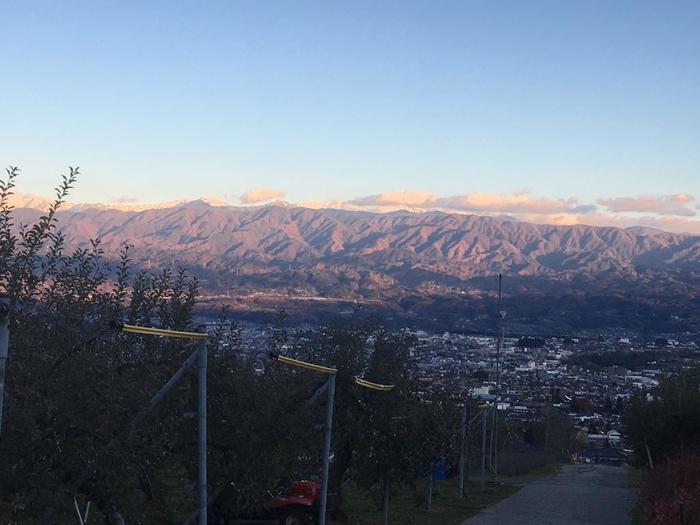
{"points": [[215, 235], [432, 269]]}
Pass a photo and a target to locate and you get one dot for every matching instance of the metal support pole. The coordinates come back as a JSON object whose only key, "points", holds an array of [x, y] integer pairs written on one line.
{"points": [[330, 398], [77, 511], [463, 435], [483, 448], [4, 343], [202, 431], [189, 362]]}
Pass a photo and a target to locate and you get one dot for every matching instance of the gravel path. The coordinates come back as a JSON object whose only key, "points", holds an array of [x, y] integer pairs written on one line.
{"points": [[577, 495]]}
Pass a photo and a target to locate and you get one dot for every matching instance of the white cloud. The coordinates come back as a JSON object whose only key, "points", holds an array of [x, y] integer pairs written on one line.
{"points": [[518, 202], [669, 213], [412, 199], [258, 195], [678, 204], [514, 203], [125, 199]]}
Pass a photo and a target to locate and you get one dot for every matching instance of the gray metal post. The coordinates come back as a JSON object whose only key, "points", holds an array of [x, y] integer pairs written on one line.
{"points": [[463, 435], [189, 362], [4, 343], [330, 398], [202, 431], [483, 448]]}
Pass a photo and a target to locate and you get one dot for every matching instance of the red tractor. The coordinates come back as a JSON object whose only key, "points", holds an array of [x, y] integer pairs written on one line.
{"points": [[297, 505]]}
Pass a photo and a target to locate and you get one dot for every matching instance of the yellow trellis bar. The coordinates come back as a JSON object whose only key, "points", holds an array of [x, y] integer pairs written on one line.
{"points": [[144, 330], [303, 364], [374, 386]]}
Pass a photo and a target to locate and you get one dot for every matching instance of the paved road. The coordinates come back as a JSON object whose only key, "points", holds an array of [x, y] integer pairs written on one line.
{"points": [[577, 495]]}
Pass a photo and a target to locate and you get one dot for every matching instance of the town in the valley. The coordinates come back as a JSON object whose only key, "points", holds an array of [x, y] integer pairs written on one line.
{"points": [[590, 380]]}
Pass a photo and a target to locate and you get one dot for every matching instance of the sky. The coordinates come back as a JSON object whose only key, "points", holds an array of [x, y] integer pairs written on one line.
{"points": [[577, 111]]}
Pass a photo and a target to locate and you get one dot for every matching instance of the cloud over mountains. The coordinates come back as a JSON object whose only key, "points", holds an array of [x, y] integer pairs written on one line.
{"points": [[667, 212], [259, 195], [474, 202], [679, 204], [673, 212]]}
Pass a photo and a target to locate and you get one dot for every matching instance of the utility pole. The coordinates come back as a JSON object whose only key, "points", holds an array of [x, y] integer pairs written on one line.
{"points": [[463, 435], [495, 412], [330, 397], [4, 344], [493, 448], [202, 429], [484, 411]]}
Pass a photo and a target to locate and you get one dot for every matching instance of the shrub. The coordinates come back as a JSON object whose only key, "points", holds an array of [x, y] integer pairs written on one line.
{"points": [[671, 492]]}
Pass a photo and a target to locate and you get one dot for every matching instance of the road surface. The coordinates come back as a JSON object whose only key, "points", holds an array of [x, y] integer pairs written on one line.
{"points": [[577, 495]]}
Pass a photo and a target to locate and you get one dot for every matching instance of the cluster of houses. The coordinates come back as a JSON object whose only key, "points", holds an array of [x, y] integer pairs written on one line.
{"points": [[534, 374]]}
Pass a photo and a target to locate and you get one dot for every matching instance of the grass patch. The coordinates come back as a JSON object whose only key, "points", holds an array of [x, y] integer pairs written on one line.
{"points": [[407, 504]]}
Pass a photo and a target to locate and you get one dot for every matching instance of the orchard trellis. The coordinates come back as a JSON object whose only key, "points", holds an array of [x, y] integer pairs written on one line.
{"points": [[329, 389], [198, 357]]}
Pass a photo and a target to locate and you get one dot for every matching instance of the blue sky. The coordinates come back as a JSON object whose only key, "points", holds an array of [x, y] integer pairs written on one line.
{"points": [[340, 100]]}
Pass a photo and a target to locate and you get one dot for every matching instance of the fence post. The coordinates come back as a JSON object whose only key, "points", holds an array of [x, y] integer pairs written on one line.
{"points": [[4, 343], [330, 398], [202, 431]]}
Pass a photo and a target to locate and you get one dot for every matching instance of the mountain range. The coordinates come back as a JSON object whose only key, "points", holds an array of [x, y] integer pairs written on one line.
{"points": [[288, 252]]}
